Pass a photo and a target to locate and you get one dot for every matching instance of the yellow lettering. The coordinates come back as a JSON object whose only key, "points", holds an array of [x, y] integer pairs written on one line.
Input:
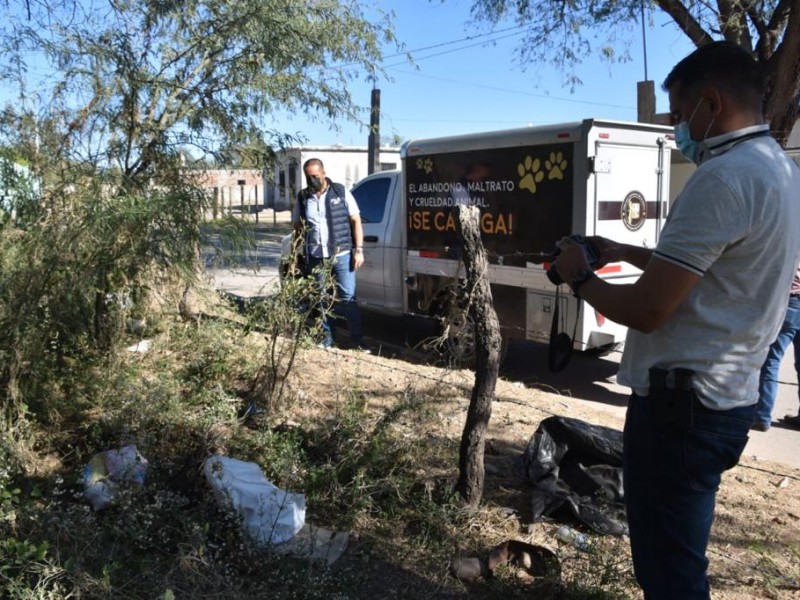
{"points": [[419, 220], [486, 222], [500, 226], [496, 225], [426, 221]]}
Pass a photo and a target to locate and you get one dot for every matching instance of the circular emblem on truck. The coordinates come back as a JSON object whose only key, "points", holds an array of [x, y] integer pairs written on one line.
{"points": [[634, 211]]}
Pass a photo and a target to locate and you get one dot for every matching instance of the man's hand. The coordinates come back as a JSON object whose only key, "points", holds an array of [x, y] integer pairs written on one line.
{"points": [[571, 259], [608, 251], [358, 258]]}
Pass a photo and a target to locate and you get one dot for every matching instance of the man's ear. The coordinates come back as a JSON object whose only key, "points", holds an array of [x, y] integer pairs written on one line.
{"points": [[716, 100]]}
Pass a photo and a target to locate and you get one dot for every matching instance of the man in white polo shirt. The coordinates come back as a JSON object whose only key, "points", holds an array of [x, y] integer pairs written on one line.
{"points": [[702, 315]]}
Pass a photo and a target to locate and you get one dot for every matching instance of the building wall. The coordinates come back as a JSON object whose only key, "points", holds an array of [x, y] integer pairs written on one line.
{"points": [[343, 164], [231, 177], [233, 190]]}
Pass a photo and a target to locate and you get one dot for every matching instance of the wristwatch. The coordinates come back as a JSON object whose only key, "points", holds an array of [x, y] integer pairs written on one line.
{"points": [[580, 277], [358, 249]]}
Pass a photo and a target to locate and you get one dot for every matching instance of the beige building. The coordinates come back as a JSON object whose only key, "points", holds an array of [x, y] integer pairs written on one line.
{"points": [[343, 164], [233, 190]]}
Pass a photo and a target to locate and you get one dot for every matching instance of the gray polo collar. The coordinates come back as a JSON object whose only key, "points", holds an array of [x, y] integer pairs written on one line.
{"points": [[720, 144]]}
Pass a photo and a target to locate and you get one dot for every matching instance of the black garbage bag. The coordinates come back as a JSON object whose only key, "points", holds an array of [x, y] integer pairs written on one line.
{"points": [[576, 470]]}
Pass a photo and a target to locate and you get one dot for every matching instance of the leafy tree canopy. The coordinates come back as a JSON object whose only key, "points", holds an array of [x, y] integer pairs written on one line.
{"points": [[130, 83], [769, 29]]}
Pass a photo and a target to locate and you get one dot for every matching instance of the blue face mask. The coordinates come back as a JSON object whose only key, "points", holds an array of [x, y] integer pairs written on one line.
{"points": [[683, 140], [683, 137]]}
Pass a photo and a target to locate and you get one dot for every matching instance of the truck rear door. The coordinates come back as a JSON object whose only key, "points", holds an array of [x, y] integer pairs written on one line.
{"points": [[630, 194], [374, 197]]}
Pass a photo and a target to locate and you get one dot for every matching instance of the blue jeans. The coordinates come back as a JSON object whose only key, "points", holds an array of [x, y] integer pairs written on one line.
{"points": [[344, 277], [768, 385], [671, 480]]}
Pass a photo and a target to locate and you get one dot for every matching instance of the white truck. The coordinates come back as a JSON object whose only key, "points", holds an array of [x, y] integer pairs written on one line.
{"points": [[533, 186]]}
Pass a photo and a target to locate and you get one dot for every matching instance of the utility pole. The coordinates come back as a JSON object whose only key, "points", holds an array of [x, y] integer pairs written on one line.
{"points": [[374, 141]]}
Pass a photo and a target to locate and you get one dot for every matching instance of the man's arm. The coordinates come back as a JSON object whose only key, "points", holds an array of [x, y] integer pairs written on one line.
{"points": [[358, 240], [297, 223], [609, 251], [644, 305], [647, 304]]}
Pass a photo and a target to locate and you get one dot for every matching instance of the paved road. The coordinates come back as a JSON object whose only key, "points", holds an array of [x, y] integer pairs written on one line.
{"points": [[587, 378], [593, 380], [248, 272]]}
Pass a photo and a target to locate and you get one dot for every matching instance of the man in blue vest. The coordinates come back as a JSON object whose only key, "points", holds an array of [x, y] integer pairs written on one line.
{"points": [[327, 218]]}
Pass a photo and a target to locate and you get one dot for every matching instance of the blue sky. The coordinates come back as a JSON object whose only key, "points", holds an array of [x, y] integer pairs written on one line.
{"points": [[477, 86]]}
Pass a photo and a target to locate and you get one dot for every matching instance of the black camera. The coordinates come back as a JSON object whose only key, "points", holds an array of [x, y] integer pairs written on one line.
{"points": [[588, 250]]}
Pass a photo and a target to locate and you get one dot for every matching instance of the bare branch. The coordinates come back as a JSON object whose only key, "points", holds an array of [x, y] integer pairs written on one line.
{"points": [[771, 36], [733, 23], [686, 22]]}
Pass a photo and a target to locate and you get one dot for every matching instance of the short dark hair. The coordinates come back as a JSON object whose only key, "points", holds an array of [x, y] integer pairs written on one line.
{"points": [[313, 162], [723, 64]]}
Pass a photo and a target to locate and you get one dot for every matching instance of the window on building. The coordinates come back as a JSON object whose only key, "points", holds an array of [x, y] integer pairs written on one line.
{"points": [[388, 166]]}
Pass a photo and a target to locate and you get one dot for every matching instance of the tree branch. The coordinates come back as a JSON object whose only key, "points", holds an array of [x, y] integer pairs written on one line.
{"points": [[769, 39], [686, 22], [783, 78], [733, 23]]}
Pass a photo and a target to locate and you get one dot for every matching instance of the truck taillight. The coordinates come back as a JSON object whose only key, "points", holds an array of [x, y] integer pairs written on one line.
{"points": [[600, 318], [609, 269]]}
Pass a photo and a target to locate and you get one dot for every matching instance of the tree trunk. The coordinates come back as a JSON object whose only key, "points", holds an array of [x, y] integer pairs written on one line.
{"points": [[783, 81], [487, 349]]}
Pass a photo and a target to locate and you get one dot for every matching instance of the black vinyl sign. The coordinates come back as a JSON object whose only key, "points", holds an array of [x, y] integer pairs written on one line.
{"points": [[524, 195]]}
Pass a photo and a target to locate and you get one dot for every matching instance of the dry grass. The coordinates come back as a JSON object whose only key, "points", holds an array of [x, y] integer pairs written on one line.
{"points": [[373, 442]]}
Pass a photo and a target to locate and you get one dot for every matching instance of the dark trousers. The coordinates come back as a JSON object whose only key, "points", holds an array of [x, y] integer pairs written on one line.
{"points": [[671, 479]]}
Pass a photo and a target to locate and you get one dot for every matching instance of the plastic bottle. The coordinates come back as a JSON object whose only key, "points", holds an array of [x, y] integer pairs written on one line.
{"points": [[577, 539]]}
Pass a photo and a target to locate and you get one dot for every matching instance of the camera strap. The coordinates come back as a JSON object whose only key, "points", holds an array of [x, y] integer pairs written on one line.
{"points": [[559, 349]]}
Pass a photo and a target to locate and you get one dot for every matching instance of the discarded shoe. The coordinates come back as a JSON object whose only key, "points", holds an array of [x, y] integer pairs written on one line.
{"points": [[759, 426]]}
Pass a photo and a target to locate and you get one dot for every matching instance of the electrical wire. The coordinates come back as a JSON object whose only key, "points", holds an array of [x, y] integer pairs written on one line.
{"points": [[520, 92]]}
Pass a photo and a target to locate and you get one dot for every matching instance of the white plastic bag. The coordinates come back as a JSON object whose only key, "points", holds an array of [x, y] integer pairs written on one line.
{"points": [[103, 474], [269, 514]]}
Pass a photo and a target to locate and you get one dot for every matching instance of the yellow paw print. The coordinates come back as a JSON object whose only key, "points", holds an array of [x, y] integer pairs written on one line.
{"points": [[425, 165], [530, 173], [555, 165]]}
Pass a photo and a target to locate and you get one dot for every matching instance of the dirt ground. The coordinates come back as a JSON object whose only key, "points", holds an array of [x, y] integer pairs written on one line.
{"points": [[755, 542]]}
